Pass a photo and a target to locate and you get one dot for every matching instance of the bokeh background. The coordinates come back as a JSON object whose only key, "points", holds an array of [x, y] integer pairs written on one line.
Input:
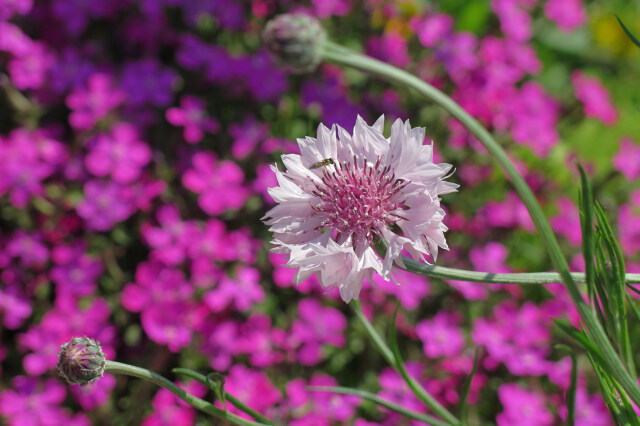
{"points": [[136, 139]]}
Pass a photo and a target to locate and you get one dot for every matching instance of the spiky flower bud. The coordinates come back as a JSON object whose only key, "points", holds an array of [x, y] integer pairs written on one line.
{"points": [[81, 361], [295, 41]]}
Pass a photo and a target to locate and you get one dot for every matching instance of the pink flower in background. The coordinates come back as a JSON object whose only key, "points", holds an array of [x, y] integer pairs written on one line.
{"points": [[168, 409], [627, 160], [568, 14], [193, 117], [90, 105], [432, 28], [119, 154], [344, 191], [75, 272], [95, 394], [306, 404], [29, 71], [595, 97], [172, 239], [441, 336], [316, 326], [242, 291], [105, 204], [522, 407], [218, 183], [252, 388], [515, 20], [567, 221]]}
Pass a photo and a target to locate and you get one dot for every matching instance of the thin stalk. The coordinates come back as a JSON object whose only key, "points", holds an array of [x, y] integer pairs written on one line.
{"points": [[342, 56], [415, 386], [442, 272], [202, 405], [432, 421]]}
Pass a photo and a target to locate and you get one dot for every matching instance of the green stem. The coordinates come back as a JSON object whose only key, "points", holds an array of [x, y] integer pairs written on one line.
{"points": [[387, 354], [142, 373], [342, 56], [442, 272], [380, 401], [232, 399]]}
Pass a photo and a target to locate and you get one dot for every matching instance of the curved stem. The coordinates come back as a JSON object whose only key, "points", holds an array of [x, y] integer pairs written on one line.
{"points": [[202, 405], [381, 402], [388, 355], [339, 55], [445, 273]]}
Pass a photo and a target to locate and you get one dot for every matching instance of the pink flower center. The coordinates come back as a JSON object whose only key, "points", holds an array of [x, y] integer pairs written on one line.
{"points": [[358, 199]]}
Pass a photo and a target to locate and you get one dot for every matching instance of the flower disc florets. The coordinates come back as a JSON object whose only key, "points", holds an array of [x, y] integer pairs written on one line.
{"points": [[343, 191], [81, 361]]}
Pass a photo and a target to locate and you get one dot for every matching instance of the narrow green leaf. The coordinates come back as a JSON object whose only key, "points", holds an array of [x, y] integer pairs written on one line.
{"points": [[381, 402], [586, 224], [467, 387], [618, 288], [626, 30], [582, 339], [573, 386]]}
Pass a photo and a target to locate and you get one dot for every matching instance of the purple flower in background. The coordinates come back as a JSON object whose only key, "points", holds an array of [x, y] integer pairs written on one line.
{"points": [[327, 406], [515, 21], [29, 70], [316, 326], [158, 291], [567, 221], [433, 28], [242, 291], [146, 81], [326, 8], [252, 388], [395, 389], [344, 191], [627, 160], [568, 14], [119, 154], [71, 70], [595, 97], [29, 248], [192, 116], [522, 407], [169, 410], [15, 307], [75, 272], [27, 158], [172, 239], [32, 402], [95, 394], [247, 135], [441, 336], [331, 97], [90, 105], [218, 183], [265, 80], [105, 204], [9, 8]]}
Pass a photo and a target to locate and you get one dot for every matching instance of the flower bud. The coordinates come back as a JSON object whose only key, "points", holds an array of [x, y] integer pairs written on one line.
{"points": [[295, 41], [81, 361]]}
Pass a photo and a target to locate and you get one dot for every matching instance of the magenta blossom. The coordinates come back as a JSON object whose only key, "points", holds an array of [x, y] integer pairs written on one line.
{"points": [[627, 160], [219, 183], [595, 97], [119, 154], [344, 192], [93, 104], [192, 116]]}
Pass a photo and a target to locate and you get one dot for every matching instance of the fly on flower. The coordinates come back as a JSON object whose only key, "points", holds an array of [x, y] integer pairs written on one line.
{"points": [[378, 188], [322, 163]]}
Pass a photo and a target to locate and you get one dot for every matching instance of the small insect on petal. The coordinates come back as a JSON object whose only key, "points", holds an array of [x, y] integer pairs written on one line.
{"points": [[322, 163]]}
